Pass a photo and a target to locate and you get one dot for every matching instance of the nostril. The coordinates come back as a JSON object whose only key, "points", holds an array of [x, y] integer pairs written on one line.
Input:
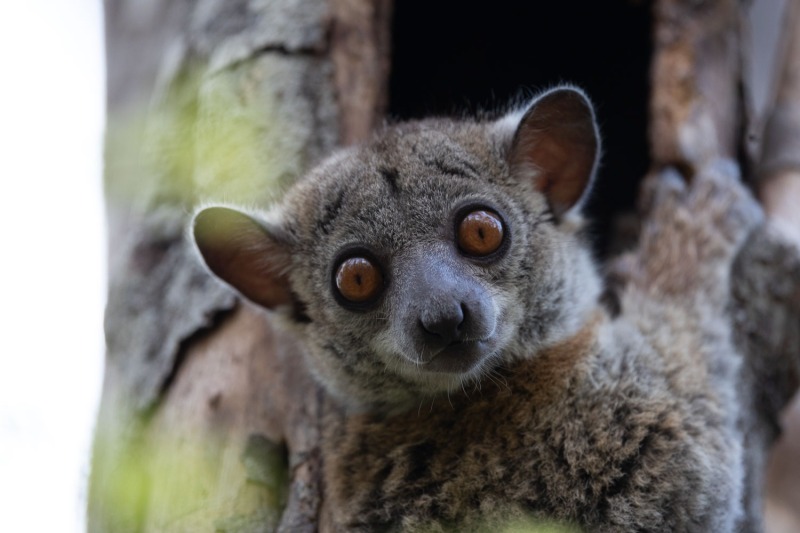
{"points": [[463, 317], [446, 324], [424, 326]]}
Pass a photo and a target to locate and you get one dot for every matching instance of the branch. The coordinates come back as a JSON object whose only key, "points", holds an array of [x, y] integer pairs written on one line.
{"points": [[694, 104], [779, 169]]}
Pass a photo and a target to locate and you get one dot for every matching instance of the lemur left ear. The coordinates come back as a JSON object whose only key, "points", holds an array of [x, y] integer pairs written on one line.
{"points": [[556, 145]]}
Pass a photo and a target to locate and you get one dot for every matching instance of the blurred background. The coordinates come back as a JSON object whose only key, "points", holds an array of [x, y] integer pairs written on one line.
{"points": [[52, 263], [52, 227]]}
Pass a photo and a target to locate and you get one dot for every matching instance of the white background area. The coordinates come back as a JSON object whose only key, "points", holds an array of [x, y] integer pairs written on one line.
{"points": [[52, 258]]}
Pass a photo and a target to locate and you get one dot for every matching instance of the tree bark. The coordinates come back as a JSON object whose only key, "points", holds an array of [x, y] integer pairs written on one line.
{"points": [[695, 77], [779, 165], [209, 417], [207, 412]]}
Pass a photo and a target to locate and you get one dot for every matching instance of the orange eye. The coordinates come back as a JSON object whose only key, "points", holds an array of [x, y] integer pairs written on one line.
{"points": [[358, 280], [480, 233]]}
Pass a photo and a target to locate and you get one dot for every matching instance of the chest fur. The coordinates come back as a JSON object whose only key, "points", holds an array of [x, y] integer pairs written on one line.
{"points": [[551, 440], [572, 435]]}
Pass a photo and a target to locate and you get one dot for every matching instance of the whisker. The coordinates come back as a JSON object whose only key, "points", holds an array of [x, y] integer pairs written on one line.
{"points": [[464, 390], [497, 378], [421, 356]]}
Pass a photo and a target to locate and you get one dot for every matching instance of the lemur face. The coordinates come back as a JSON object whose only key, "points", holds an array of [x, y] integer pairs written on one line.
{"points": [[420, 261]]}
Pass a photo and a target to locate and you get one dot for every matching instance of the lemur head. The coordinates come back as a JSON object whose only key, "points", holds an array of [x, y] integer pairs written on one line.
{"points": [[426, 258]]}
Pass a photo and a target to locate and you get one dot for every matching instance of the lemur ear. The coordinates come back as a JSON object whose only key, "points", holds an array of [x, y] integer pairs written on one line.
{"points": [[240, 251], [556, 145]]}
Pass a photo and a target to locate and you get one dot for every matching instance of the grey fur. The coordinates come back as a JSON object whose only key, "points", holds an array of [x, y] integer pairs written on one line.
{"points": [[397, 197], [626, 423]]}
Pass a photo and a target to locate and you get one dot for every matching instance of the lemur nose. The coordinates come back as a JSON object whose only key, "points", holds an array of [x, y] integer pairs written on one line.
{"points": [[445, 325]]}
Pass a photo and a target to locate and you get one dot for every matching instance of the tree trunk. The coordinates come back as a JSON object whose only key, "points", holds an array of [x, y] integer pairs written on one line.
{"points": [[213, 99], [208, 417]]}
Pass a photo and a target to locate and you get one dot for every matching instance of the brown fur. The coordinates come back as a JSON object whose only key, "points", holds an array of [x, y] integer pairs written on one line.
{"points": [[628, 425], [625, 423], [576, 435]]}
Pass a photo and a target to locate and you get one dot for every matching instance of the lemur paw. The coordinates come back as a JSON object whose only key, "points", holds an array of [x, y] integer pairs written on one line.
{"points": [[720, 200], [711, 216], [692, 233]]}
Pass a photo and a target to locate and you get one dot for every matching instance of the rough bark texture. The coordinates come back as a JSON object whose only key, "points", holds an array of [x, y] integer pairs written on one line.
{"points": [[209, 419], [204, 403]]}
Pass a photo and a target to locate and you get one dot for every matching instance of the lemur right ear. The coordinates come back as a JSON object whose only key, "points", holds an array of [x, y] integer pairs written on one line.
{"points": [[556, 145], [243, 253]]}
